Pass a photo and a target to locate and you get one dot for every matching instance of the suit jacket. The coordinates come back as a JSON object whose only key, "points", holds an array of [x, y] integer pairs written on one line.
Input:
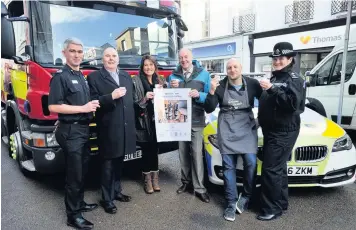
{"points": [[115, 118]]}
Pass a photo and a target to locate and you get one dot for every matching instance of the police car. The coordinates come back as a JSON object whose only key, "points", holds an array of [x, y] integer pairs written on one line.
{"points": [[323, 155]]}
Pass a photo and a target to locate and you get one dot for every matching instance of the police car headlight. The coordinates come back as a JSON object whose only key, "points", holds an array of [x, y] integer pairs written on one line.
{"points": [[343, 143], [51, 140], [213, 139]]}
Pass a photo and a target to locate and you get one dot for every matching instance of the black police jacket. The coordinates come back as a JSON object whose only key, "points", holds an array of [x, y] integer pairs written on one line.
{"points": [[281, 105]]}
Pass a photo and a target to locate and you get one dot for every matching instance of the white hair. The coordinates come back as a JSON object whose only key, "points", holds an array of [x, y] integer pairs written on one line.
{"points": [[110, 47], [69, 41], [186, 49]]}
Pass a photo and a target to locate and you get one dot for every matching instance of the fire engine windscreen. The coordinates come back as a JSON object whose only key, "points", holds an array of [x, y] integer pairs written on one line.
{"points": [[132, 34]]}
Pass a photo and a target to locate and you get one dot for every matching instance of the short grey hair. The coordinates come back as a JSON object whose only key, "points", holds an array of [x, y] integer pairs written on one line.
{"points": [[110, 47], [72, 40], [186, 49]]}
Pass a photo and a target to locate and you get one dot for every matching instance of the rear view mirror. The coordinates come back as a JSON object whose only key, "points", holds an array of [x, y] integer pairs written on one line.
{"points": [[311, 79], [8, 47]]}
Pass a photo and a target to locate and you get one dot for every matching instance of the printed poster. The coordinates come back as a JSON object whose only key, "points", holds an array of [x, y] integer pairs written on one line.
{"points": [[173, 109]]}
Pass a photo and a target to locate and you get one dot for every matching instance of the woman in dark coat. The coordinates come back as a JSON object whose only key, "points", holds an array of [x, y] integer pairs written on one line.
{"points": [[144, 84]]}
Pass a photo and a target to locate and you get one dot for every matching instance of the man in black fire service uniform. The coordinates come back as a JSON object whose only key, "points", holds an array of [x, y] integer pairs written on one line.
{"points": [[69, 97], [280, 107]]}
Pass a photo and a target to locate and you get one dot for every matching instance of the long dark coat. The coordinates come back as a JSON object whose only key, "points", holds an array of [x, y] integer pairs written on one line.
{"points": [[115, 118]]}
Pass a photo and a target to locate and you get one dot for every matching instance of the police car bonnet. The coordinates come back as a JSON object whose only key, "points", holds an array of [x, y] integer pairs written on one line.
{"points": [[283, 49]]}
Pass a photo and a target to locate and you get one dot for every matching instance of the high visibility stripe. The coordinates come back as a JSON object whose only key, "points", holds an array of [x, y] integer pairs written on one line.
{"points": [[333, 130]]}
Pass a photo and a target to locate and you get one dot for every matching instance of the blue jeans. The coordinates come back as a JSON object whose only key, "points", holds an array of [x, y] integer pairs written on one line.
{"points": [[229, 162]]}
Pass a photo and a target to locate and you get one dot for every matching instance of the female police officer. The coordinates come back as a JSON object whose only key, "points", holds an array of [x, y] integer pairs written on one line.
{"points": [[280, 107]]}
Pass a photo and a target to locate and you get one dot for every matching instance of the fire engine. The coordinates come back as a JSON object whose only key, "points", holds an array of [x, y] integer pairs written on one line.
{"points": [[33, 33]]}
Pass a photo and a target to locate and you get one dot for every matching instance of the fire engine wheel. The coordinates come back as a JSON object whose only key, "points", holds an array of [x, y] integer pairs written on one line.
{"points": [[17, 151]]}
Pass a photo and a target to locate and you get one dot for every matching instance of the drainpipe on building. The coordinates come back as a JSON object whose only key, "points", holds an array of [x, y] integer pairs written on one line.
{"points": [[344, 59], [252, 58]]}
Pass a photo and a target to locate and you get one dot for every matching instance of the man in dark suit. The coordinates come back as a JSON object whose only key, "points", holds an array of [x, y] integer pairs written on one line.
{"points": [[115, 123]]}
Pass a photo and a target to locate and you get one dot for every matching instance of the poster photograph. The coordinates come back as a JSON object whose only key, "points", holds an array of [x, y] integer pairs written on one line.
{"points": [[173, 114]]}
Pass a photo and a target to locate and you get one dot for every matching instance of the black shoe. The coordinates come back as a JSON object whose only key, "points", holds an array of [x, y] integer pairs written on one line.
{"points": [[203, 197], [88, 207], [79, 223], [109, 207], [183, 188], [122, 198], [268, 217]]}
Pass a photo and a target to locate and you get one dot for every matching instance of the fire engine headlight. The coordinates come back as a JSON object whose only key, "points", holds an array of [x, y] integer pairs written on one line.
{"points": [[38, 140], [51, 140], [213, 139], [343, 143]]}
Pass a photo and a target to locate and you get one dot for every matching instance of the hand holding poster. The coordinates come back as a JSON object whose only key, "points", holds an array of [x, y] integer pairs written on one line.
{"points": [[173, 109]]}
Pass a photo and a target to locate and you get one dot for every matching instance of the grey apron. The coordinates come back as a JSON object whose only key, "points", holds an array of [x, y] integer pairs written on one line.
{"points": [[237, 132]]}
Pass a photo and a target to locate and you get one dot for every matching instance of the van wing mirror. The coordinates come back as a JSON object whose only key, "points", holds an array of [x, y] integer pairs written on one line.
{"points": [[310, 79]]}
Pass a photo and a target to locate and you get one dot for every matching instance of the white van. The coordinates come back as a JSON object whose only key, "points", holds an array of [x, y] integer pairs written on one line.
{"points": [[324, 84]]}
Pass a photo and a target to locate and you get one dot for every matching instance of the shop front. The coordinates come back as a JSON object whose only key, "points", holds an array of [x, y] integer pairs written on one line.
{"points": [[311, 46], [214, 53]]}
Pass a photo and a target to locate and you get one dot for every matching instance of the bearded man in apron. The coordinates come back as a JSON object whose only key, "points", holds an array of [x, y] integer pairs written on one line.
{"points": [[237, 132]]}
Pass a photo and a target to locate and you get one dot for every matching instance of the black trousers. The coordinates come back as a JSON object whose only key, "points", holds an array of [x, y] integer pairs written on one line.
{"points": [[149, 156], [277, 148], [74, 141], [111, 172]]}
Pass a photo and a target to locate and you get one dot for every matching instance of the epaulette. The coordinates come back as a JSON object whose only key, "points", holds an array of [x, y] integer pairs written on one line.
{"points": [[293, 75]]}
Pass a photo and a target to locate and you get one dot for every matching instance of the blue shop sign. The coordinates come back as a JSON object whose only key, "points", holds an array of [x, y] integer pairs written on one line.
{"points": [[215, 50]]}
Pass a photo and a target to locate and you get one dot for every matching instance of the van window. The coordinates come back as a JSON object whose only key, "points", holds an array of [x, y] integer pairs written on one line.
{"points": [[322, 75], [350, 67]]}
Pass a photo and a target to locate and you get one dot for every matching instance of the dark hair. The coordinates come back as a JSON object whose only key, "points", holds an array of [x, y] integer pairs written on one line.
{"points": [[153, 60]]}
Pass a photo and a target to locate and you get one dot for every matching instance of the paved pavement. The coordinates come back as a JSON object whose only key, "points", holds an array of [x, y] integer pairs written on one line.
{"points": [[37, 203]]}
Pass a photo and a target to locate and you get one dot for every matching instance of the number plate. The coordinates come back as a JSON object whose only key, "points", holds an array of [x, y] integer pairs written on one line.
{"points": [[133, 156], [302, 170]]}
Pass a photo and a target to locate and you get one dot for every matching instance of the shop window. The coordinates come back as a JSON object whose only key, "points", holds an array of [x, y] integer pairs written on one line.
{"points": [[216, 66], [350, 68], [263, 65], [123, 45], [307, 62]]}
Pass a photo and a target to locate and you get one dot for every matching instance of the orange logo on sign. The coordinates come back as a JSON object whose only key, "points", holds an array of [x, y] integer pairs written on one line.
{"points": [[305, 39]]}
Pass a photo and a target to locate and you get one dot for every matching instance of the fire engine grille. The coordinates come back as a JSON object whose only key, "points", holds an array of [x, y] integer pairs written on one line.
{"points": [[310, 153]]}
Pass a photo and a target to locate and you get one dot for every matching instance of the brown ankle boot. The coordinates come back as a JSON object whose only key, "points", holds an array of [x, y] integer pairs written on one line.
{"points": [[155, 185], [147, 183]]}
